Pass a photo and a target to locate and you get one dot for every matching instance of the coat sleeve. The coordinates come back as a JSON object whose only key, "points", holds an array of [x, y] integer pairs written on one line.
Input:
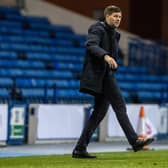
{"points": [[95, 34]]}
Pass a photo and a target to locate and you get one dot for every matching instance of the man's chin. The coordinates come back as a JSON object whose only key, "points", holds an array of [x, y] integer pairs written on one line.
{"points": [[116, 25]]}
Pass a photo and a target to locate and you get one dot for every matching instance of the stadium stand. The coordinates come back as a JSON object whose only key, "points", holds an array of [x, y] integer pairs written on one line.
{"points": [[41, 62]]}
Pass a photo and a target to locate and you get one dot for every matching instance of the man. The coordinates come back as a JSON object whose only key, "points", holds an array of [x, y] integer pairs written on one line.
{"points": [[98, 80]]}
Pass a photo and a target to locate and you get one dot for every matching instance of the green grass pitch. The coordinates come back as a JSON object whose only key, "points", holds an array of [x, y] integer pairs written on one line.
{"points": [[142, 159]]}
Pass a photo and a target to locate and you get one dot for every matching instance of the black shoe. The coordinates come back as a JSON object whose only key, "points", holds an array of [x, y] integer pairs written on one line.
{"points": [[140, 143], [82, 154]]}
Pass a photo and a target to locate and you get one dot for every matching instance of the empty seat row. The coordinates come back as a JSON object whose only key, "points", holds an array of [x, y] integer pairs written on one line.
{"points": [[73, 94], [35, 26], [51, 94], [143, 86], [6, 23], [56, 28], [45, 93], [40, 56], [35, 40], [70, 36], [7, 10], [22, 32], [55, 57], [6, 82], [22, 18], [36, 73], [22, 64], [16, 28], [152, 96], [132, 69], [73, 83], [47, 83], [8, 55], [41, 48], [70, 66], [58, 95], [142, 77], [4, 94]]}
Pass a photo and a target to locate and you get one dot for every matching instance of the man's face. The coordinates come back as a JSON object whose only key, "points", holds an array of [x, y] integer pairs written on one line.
{"points": [[114, 19]]}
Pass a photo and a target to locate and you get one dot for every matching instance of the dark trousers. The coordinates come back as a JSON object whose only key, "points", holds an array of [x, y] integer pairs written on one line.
{"points": [[111, 95]]}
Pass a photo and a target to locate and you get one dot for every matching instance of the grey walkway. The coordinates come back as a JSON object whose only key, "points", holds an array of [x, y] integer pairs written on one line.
{"points": [[66, 148]]}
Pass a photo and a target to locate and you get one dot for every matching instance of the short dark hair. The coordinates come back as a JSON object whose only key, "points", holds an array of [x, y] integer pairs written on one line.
{"points": [[111, 9]]}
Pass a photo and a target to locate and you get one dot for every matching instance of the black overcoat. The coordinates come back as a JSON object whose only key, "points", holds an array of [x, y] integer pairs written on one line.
{"points": [[102, 39]]}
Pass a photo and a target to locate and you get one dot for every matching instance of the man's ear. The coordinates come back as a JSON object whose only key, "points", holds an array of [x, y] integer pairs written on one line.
{"points": [[106, 16]]}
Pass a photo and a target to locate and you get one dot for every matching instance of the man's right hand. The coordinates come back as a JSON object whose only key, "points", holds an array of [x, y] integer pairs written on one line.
{"points": [[111, 62]]}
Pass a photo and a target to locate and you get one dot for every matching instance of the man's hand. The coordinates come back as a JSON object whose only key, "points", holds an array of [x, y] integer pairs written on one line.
{"points": [[111, 62]]}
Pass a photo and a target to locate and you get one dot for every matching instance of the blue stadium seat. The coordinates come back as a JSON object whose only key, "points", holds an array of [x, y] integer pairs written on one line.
{"points": [[10, 30], [5, 23], [132, 69], [70, 51], [127, 86], [46, 83], [22, 64], [10, 16], [37, 19], [39, 56], [151, 86], [7, 10], [8, 55], [30, 64], [20, 18], [70, 36], [68, 58], [11, 72], [24, 83], [59, 42], [164, 78], [33, 93], [138, 78], [36, 73], [67, 84], [22, 32], [4, 94], [7, 63], [41, 26], [38, 95], [55, 57], [71, 94], [63, 29], [126, 96], [70, 66], [48, 74], [35, 83], [5, 82], [141, 86], [149, 96]]}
